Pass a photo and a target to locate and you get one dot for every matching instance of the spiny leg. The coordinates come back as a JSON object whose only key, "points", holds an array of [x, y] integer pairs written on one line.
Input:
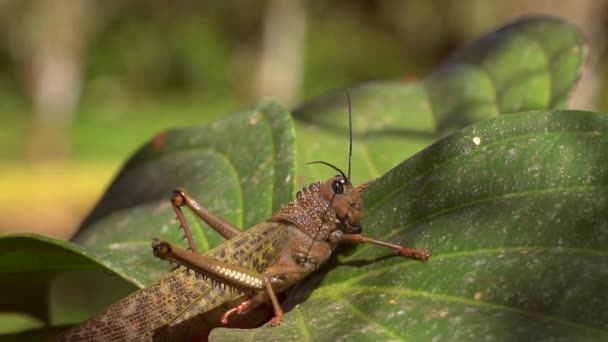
{"points": [[180, 198], [233, 275], [422, 255], [185, 227], [236, 276]]}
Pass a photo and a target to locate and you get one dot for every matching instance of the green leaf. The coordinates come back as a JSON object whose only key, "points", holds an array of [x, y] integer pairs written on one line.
{"points": [[241, 168], [32, 264], [514, 210], [30, 261], [34, 335], [531, 64]]}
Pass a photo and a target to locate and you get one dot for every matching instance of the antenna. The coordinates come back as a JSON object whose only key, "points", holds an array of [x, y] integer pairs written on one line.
{"points": [[350, 143], [330, 165], [350, 154], [350, 131]]}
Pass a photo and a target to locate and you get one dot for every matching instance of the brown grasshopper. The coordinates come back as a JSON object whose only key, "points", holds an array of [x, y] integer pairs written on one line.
{"points": [[249, 269]]}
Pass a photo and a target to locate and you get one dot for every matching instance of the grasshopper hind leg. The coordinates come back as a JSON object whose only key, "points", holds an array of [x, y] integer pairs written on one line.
{"points": [[182, 197], [184, 226]]}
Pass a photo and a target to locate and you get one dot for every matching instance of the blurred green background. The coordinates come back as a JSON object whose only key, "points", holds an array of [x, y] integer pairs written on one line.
{"points": [[84, 83]]}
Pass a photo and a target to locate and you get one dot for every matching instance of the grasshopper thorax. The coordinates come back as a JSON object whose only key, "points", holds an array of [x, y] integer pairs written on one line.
{"points": [[324, 207]]}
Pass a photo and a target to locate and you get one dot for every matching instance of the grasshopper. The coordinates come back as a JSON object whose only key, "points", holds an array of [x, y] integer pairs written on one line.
{"points": [[249, 269]]}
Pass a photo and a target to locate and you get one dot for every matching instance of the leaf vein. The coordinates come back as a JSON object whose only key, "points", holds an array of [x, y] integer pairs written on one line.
{"points": [[471, 302], [383, 328]]}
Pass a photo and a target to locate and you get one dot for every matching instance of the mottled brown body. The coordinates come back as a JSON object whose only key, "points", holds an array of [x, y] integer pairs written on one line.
{"points": [[291, 244], [245, 271]]}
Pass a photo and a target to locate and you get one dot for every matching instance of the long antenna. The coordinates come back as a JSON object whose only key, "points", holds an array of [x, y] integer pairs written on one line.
{"points": [[350, 154], [330, 165], [350, 131]]}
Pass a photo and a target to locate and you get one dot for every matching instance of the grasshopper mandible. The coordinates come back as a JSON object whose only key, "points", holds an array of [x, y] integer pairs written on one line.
{"points": [[249, 269]]}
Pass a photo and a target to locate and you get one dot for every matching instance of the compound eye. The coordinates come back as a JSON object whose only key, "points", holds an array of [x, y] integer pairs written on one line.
{"points": [[338, 186]]}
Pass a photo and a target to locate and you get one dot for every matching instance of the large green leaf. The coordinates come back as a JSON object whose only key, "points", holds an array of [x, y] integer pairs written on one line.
{"points": [[241, 168], [30, 261], [35, 269], [515, 211], [530, 64]]}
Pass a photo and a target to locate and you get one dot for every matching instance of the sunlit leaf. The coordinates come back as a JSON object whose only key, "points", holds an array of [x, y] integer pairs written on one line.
{"points": [[530, 64], [515, 211], [240, 167]]}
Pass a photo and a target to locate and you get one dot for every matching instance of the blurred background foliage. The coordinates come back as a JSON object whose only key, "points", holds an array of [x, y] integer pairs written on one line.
{"points": [[84, 83]]}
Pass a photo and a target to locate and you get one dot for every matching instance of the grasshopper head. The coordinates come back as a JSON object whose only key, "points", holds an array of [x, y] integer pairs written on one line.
{"points": [[345, 201]]}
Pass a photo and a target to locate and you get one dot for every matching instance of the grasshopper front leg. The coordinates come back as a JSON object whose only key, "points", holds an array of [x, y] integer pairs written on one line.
{"points": [[422, 255]]}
